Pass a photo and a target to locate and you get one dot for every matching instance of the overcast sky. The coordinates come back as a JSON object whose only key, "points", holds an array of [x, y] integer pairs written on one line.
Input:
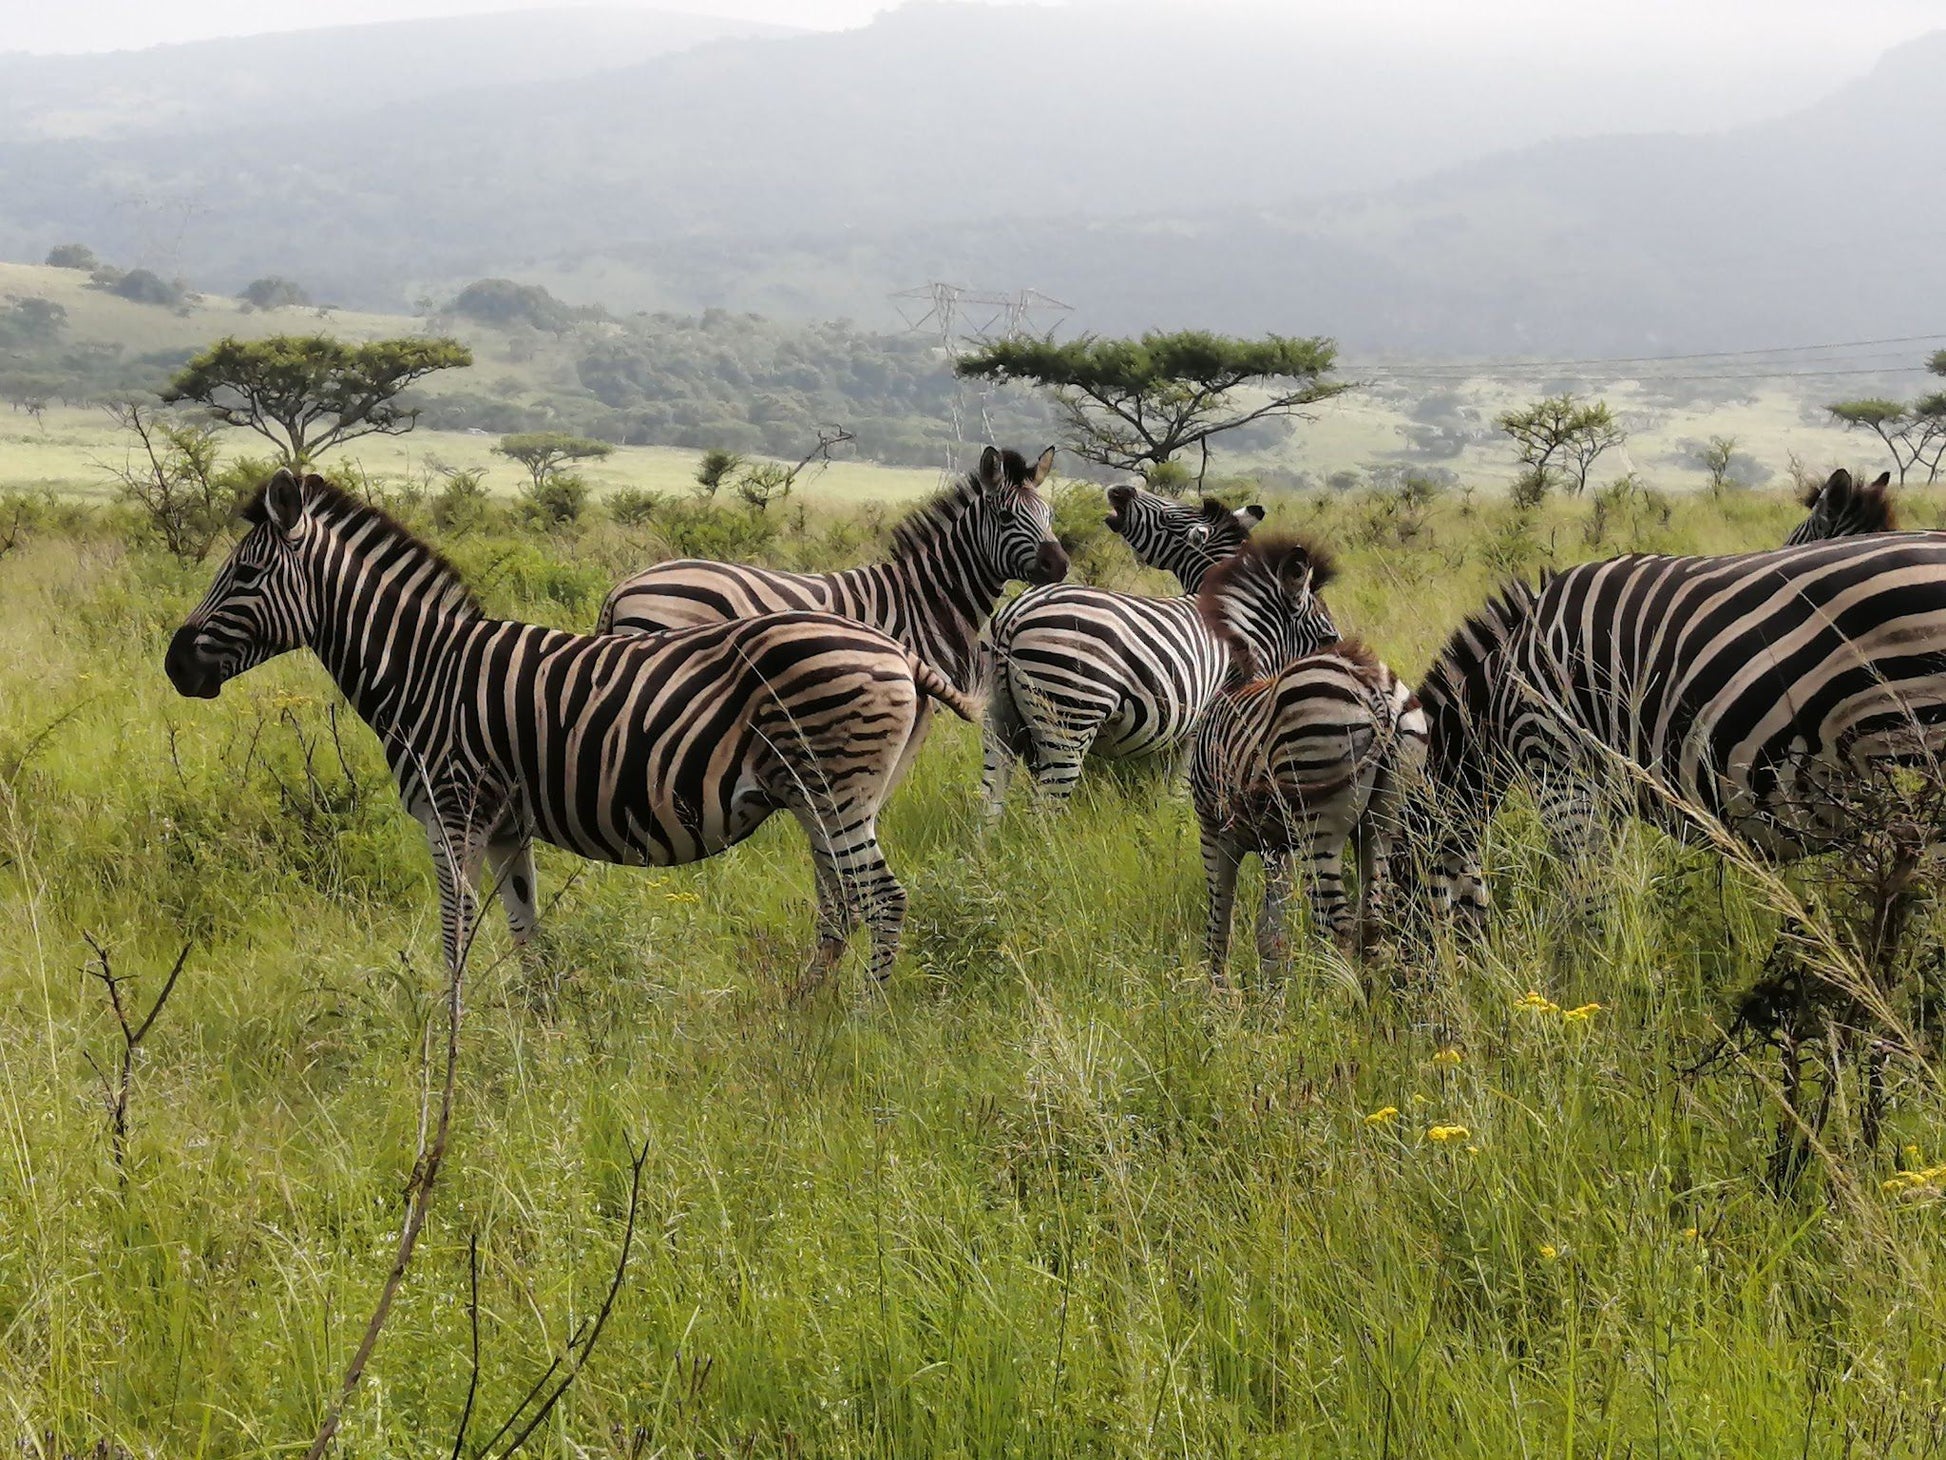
{"points": [[1846, 31]]}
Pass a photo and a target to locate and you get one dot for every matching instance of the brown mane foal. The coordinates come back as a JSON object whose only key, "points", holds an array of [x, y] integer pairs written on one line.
{"points": [[647, 751], [1301, 753]]}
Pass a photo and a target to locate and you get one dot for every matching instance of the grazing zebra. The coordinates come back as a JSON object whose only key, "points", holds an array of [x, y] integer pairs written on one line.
{"points": [[950, 561], [1082, 671], [1300, 753], [644, 751], [1841, 509], [1746, 690]]}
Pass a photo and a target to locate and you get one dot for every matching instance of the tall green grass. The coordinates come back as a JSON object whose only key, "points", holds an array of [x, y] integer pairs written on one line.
{"points": [[1043, 1195]]}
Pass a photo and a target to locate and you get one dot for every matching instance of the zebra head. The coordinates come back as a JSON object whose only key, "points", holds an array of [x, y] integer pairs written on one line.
{"points": [[1186, 541], [1012, 524], [1842, 508], [1472, 700], [1262, 605], [259, 605]]}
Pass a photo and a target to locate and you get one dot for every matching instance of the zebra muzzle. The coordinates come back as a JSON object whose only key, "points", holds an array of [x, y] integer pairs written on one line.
{"points": [[192, 672]]}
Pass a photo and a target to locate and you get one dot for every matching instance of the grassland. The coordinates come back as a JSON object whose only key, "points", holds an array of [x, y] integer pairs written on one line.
{"points": [[1042, 1195]]}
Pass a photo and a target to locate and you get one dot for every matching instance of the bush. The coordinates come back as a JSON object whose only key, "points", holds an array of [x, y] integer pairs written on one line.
{"points": [[555, 501], [633, 506], [462, 504], [145, 286], [274, 292], [503, 302], [72, 256]]}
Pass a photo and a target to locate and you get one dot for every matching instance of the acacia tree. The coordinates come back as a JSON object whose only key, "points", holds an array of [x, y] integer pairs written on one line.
{"points": [[1717, 457], [1914, 433], [1135, 405], [1560, 434], [306, 394], [544, 453]]}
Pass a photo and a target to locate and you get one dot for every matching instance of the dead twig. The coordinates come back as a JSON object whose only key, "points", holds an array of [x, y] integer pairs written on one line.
{"points": [[115, 1092]]}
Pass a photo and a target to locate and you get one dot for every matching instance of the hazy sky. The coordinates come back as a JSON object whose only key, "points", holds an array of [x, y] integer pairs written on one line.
{"points": [[1845, 30]]}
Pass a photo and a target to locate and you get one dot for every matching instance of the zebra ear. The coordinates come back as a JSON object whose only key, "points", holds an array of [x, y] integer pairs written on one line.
{"points": [[1043, 467], [1249, 517], [1294, 571], [991, 475], [1883, 479], [283, 501]]}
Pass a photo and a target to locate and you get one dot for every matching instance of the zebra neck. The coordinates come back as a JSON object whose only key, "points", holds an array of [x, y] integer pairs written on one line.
{"points": [[389, 648], [935, 599]]}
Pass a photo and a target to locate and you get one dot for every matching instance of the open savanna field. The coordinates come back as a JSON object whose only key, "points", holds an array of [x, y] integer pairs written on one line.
{"points": [[1042, 1194]]}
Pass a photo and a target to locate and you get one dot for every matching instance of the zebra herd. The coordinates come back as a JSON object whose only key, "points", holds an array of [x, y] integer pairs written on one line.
{"points": [[1737, 688]]}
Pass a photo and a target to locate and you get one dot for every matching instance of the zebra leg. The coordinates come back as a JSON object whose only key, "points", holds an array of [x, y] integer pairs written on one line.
{"points": [[510, 864], [836, 914], [1220, 862], [456, 863], [1330, 908], [1003, 740], [1273, 923]]}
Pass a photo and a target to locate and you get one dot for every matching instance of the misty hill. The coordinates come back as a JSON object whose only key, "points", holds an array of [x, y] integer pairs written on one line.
{"points": [[1160, 169], [324, 74]]}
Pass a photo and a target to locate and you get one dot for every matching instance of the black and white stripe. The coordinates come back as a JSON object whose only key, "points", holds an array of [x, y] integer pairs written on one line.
{"points": [[644, 751], [1081, 671], [1841, 508], [1301, 753], [951, 559], [1742, 690]]}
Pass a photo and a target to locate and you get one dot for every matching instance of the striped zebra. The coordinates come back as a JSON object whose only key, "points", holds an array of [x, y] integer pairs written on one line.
{"points": [[1080, 671], [950, 561], [1744, 691], [643, 751], [1841, 509], [1302, 752]]}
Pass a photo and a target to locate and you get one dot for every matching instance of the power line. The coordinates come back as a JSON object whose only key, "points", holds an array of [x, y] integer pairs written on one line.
{"points": [[1487, 366]]}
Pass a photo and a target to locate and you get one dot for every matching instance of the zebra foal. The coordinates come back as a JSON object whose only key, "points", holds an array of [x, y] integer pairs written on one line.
{"points": [[1302, 752], [1081, 671], [656, 751]]}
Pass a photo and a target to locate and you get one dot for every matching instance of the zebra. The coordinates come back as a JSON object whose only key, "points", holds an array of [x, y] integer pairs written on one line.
{"points": [[1841, 509], [1079, 671], [950, 561], [1302, 752], [1742, 692], [657, 751]]}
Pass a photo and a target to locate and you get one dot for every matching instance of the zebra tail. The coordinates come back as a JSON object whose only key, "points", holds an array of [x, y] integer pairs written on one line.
{"points": [[934, 685]]}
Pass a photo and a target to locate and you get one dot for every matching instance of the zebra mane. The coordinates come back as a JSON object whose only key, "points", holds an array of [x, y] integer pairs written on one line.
{"points": [[931, 519], [333, 504], [1865, 506], [1481, 633], [1250, 583]]}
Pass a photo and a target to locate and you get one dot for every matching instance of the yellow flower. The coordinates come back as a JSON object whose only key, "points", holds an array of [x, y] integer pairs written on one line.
{"points": [[1583, 1014], [1534, 1003], [1549, 1251], [1383, 1117], [1446, 1059], [1911, 1154], [1690, 1233], [1444, 1133]]}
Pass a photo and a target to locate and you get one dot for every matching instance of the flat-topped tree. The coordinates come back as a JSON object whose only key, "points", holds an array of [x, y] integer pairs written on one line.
{"points": [[1136, 405], [543, 453], [1914, 433], [306, 394]]}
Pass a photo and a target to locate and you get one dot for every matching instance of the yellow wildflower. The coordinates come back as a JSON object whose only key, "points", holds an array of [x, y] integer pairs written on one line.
{"points": [[1444, 1133], [1383, 1117], [1549, 1251], [1447, 1058], [1583, 1014], [1690, 1233], [1534, 1003]]}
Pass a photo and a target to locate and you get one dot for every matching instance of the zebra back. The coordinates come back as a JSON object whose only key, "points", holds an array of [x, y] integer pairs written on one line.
{"points": [[1262, 605], [1842, 508], [951, 559], [1179, 539]]}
